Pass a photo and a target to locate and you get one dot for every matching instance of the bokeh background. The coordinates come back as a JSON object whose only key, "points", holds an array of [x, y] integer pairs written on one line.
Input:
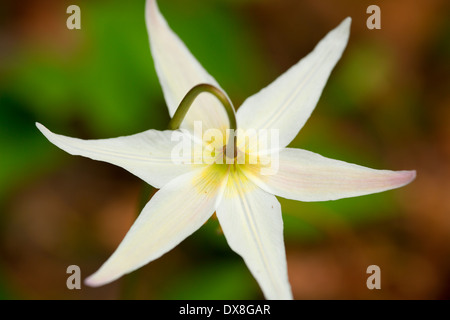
{"points": [[386, 106]]}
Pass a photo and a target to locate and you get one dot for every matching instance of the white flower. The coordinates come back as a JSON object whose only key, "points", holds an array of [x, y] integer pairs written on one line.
{"points": [[244, 200]]}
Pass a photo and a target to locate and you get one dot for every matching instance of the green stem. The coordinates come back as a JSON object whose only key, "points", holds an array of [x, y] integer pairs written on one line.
{"points": [[189, 98]]}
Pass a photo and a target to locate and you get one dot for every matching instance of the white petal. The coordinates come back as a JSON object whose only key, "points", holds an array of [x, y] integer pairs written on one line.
{"points": [[147, 155], [179, 71], [252, 224], [307, 176], [175, 212], [287, 103]]}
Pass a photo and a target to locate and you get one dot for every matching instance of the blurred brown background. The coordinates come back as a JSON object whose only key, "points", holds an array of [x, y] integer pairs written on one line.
{"points": [[385, 106]]}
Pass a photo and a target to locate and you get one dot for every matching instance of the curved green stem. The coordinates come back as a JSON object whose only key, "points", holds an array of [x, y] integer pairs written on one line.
{"points": [[189, 98], [187, 101]]}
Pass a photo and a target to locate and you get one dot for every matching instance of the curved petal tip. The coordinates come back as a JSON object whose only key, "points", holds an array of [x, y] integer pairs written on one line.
{"points": [[47, 133], [344, 26], [92, 282], [39, 126], [406, 177]]}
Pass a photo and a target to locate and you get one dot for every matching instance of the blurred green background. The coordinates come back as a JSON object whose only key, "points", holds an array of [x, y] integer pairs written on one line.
{"points": [[386, 106]]}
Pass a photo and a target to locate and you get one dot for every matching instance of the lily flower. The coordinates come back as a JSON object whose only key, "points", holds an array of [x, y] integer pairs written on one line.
{"points": [[244, 199]]}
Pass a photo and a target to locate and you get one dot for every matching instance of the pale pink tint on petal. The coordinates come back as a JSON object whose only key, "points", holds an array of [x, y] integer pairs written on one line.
{"points": [[307, 176]]}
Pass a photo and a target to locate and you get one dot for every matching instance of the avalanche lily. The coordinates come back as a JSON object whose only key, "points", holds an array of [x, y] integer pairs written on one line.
{"points": [[243, 198]]}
